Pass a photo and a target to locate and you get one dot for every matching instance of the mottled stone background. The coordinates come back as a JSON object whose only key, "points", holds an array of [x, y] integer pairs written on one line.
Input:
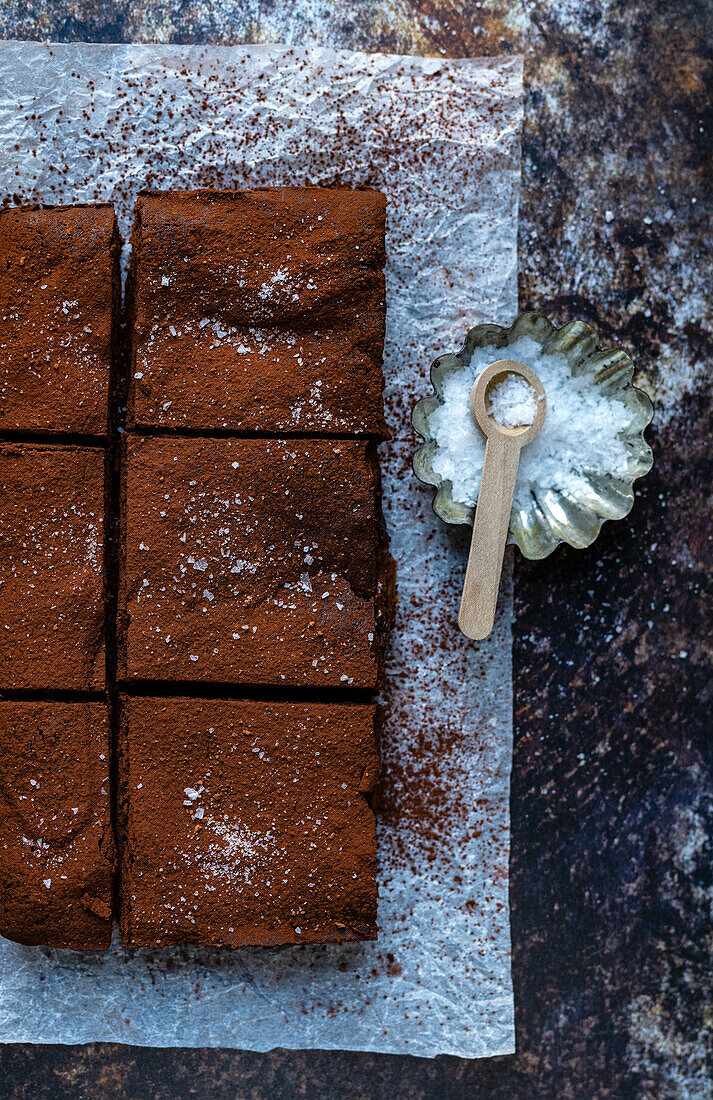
{"points": [[612, 804]]}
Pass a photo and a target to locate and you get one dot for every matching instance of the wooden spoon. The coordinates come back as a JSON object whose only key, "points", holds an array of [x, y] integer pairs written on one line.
{"points": [[497, 486]]}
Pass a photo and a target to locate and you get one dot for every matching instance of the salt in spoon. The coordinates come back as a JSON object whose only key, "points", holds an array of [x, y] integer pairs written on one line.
{"points": [[497, 487]]}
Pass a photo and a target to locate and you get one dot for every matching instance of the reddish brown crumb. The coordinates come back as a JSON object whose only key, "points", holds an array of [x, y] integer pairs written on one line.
{"points": [[56, 838], [246, 822], [251, 561], [59, 299], [51, 567], [259, 310]]}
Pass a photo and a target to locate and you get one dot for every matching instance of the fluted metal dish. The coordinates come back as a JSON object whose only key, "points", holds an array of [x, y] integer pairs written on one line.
{"points": [[551, 516]]}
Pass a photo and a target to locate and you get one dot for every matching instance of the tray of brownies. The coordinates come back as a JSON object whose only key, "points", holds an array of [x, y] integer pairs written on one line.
{"points": [[241, 561], [239, 763]]}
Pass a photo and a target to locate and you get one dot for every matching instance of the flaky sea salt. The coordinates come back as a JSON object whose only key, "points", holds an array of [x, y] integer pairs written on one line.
{"points": [[512, 402], [582, 433]]}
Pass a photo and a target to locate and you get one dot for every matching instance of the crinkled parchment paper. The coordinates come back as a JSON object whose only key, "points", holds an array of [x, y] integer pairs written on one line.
{"points": [[442, 139]]}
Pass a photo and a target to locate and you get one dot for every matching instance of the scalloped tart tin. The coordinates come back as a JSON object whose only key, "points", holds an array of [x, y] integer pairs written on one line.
{"points": [[551, 516]]}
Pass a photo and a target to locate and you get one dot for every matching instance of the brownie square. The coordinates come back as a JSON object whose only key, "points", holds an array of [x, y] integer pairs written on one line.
{"points": [[258, 310], [59, 303], [51, 567], [251, 561], [56, 840], [245, 822]]}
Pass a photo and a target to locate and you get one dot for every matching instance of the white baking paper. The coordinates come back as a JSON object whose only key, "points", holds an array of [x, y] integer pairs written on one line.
{"points": [[442, 139]]}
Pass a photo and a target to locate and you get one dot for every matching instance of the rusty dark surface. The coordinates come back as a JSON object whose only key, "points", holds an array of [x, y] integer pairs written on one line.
{"points": [[612, 799]]}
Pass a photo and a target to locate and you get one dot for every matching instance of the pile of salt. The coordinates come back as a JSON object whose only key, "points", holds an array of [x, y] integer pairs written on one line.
{"points": [[513, 402], [583, 433]]}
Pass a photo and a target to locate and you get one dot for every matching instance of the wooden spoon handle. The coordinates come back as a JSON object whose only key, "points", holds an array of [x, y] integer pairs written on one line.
{"points": [[490, 532]]}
